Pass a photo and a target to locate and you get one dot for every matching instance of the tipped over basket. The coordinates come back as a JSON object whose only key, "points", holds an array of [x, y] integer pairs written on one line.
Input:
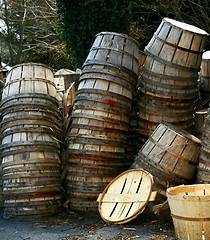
{"points": [[189, 205]]}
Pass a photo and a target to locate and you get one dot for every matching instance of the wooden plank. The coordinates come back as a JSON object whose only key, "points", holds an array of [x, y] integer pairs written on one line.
{"points": [[126, 198]]}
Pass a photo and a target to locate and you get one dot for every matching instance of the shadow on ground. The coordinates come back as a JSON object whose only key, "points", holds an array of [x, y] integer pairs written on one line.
{"points": [[70, 225]]}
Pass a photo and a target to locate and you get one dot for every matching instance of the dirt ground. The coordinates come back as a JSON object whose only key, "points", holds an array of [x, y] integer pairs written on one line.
{"points": [[69, 225]]}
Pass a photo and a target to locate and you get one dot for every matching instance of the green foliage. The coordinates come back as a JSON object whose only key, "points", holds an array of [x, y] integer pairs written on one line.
{"points": [[82, 19]]}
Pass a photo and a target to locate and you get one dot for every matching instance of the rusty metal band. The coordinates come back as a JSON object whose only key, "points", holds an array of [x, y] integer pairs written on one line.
{"points": [[93, 157], [28, 160], [93, 175], [170, 77], [126, 105], [31, 117], [170, 86], [94, 165], [190, 218], [100, 142], [8, 152], [115, 50], [176, 46], [206, 162], [30, 80], [169, 94], [101, 118], [102, 107], [33, 189], [35, 204], [162, 173], [29, 95], [174, 116], [30, 122], [180, 109], [32, 195], [29, 107], [53, 176], [96, 128], [100, 154], [128, 78], [103, 93], [29, 143], [171, 64], [31, 167], [165, 101], [173, 153], [29, 129], [121, 82], [165, 111], [101, 62]]}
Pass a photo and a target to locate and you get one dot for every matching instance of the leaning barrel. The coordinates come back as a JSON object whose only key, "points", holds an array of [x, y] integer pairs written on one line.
{"points": [[100, 119], [203, 175], [170, 155], [30, 130], [170, 75], [204, 78]]}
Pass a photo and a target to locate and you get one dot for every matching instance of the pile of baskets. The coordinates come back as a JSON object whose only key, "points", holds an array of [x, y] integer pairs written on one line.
{"points": [[168, 87], [30, 128], [100, 118]]}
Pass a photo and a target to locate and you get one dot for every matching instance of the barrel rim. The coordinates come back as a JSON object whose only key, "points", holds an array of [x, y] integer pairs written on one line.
{"points": [[185, 26], [118, 34], [171, 192], [32, 64]]}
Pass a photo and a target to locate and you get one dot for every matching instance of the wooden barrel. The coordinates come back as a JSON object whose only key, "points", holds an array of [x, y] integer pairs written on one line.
{"points": [[98, 132], [204, 85], [189, 207], [168, 86], [170, 155], [177, 44], [203, 175], [115, 48], [30, 149], [1, 190]]}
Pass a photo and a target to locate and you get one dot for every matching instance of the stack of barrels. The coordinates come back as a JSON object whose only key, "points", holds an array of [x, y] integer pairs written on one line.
{"points": [[168, 86], [1, 182], [170, 155], [205, 79], [100, 119], [30, 150], [203, 175]]}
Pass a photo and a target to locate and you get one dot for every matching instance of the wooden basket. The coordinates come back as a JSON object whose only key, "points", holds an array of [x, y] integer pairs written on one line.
{"points": [[126, 196], [170, 155], [189, 205], [115, 48]]}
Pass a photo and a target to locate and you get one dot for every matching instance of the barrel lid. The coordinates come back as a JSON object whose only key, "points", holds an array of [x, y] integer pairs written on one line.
{"points": [[126, 196], [186, 26], [182, 132]]}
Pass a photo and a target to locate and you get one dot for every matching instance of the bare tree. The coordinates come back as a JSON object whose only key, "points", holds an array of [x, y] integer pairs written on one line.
{"points": [[29, 28]]}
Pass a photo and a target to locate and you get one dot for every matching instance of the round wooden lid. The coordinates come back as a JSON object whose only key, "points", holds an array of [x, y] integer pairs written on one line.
{"points": [[126, 196]]}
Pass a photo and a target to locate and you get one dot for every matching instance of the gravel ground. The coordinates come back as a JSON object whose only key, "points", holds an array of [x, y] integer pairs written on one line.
{"points": [[70, 225]]}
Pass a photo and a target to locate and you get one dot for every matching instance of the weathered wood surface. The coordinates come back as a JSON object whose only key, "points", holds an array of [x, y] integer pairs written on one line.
{"points": [[100, 118], [203, 175], [170, 155], [30, 128], [114, 48], [189, 207], [126, 196]]}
